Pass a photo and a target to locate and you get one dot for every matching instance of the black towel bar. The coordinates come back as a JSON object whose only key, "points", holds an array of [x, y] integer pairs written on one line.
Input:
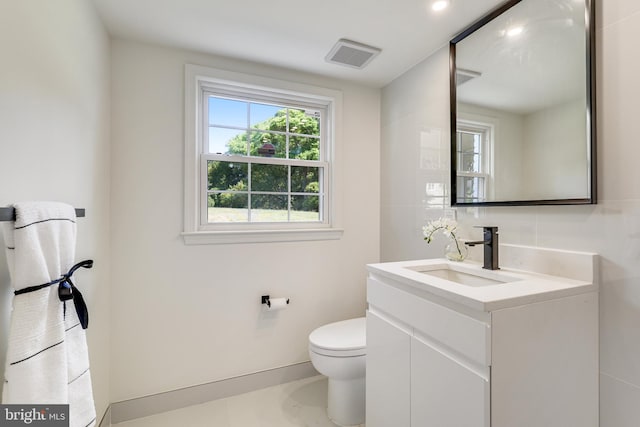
{"points": [[9, 214]]}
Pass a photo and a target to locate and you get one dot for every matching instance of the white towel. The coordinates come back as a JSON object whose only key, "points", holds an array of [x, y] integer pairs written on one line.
{"points": [[47, 358]]}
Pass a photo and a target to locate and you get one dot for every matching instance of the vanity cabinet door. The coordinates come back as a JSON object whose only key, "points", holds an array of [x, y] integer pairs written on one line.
{"points": [[388, 375], [444, 393]]}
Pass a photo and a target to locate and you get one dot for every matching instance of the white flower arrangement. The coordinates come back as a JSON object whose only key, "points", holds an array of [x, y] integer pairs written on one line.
{"points": [[449, 227]]}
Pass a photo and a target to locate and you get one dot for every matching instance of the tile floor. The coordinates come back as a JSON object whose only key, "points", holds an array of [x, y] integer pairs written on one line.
{"points": [[298, 403]]}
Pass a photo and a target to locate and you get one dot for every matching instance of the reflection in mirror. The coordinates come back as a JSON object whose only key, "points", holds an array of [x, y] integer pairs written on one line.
{"points": [[522, 110]]}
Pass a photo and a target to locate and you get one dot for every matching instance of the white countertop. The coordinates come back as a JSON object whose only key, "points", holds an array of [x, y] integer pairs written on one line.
{"points": [[520, 287]]}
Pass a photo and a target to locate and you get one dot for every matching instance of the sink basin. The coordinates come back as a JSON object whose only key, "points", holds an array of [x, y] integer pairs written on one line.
{"points": [[468, 278]]}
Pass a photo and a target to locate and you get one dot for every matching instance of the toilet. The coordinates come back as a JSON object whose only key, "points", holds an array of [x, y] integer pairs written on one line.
{"points": [[338, 351]]}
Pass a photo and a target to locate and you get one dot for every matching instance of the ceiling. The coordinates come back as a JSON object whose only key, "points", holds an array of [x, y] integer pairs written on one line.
{"points": [[540, 67], [297, 34]]}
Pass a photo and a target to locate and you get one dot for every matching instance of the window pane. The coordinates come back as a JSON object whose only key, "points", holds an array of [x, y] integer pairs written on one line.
{"points": [[304, 148], [305, 208], [227, 207], [227, 176], [269, 183], [227, 112], [470, 162], [269, 178], [227, 141], [304, 122], [263, 116], [305, 179], [471, 189], [265, 144], [469, 142], [269, 208]]}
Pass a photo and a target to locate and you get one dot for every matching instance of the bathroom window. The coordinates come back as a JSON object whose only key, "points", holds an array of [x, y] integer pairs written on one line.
{"points": [[262, 160], [473, 151], [265, 161]]}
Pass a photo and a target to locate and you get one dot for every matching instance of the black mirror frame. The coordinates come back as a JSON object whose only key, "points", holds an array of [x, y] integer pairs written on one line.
{"points": [[590, 109]]}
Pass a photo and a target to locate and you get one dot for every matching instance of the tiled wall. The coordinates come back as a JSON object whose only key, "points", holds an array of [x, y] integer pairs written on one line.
{"points": [[415, 138]]}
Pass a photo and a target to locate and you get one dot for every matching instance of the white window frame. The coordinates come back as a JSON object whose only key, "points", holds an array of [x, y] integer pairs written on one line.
{"points": [[198, 81], [486, 153]]}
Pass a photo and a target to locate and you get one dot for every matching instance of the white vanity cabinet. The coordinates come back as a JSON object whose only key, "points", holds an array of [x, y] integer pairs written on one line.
{"points": [[435, 361], [435, 378], [388, 383]]}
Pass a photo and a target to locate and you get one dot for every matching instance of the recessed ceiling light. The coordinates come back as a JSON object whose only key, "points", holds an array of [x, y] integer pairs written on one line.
{"points": [[514, 31], [439, 5]]}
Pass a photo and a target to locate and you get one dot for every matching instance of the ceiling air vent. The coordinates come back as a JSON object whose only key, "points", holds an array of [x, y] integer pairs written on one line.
{"points": [[352, 54], [463, 76]]}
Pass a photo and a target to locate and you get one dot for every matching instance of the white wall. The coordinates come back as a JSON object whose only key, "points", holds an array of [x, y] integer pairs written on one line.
{"points": [[555, 153], [611, 228], [186, 315], [54, 142]]}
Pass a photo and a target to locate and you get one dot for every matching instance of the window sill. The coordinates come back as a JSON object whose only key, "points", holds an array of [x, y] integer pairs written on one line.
{"points": [[260, 236]]}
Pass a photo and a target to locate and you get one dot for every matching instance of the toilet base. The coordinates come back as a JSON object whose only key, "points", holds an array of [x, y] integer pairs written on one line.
{"points": [[346, 401]]}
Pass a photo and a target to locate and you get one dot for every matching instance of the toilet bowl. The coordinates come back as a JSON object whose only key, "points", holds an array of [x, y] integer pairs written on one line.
{"points": [[338, 351]]}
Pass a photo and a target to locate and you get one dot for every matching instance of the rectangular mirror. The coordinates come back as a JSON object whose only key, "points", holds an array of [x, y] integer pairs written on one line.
{"points": [[523, 106]]}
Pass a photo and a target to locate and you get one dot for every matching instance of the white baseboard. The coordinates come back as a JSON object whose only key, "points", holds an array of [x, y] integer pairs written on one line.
{"points": [[176, 399]]}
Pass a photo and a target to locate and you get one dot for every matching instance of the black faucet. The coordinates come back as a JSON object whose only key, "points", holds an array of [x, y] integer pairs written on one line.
{"points": [[490, 243]]}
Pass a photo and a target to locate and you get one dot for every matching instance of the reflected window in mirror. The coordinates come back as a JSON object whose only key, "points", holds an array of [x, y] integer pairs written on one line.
{"points": [[474, 148]]}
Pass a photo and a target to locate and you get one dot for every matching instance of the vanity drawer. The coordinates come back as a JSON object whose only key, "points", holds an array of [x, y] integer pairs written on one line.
{"points": [[439, 326]]}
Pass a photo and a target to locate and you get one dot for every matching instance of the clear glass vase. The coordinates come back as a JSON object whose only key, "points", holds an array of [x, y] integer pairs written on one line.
{"points": [[455, 250]]}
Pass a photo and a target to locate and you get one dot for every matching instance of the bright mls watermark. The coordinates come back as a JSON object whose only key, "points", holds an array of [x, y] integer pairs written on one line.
{"points": [[34, 415]]}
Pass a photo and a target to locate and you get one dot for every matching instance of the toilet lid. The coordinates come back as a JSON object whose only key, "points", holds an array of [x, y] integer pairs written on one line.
{"points": [[345, 338]]}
